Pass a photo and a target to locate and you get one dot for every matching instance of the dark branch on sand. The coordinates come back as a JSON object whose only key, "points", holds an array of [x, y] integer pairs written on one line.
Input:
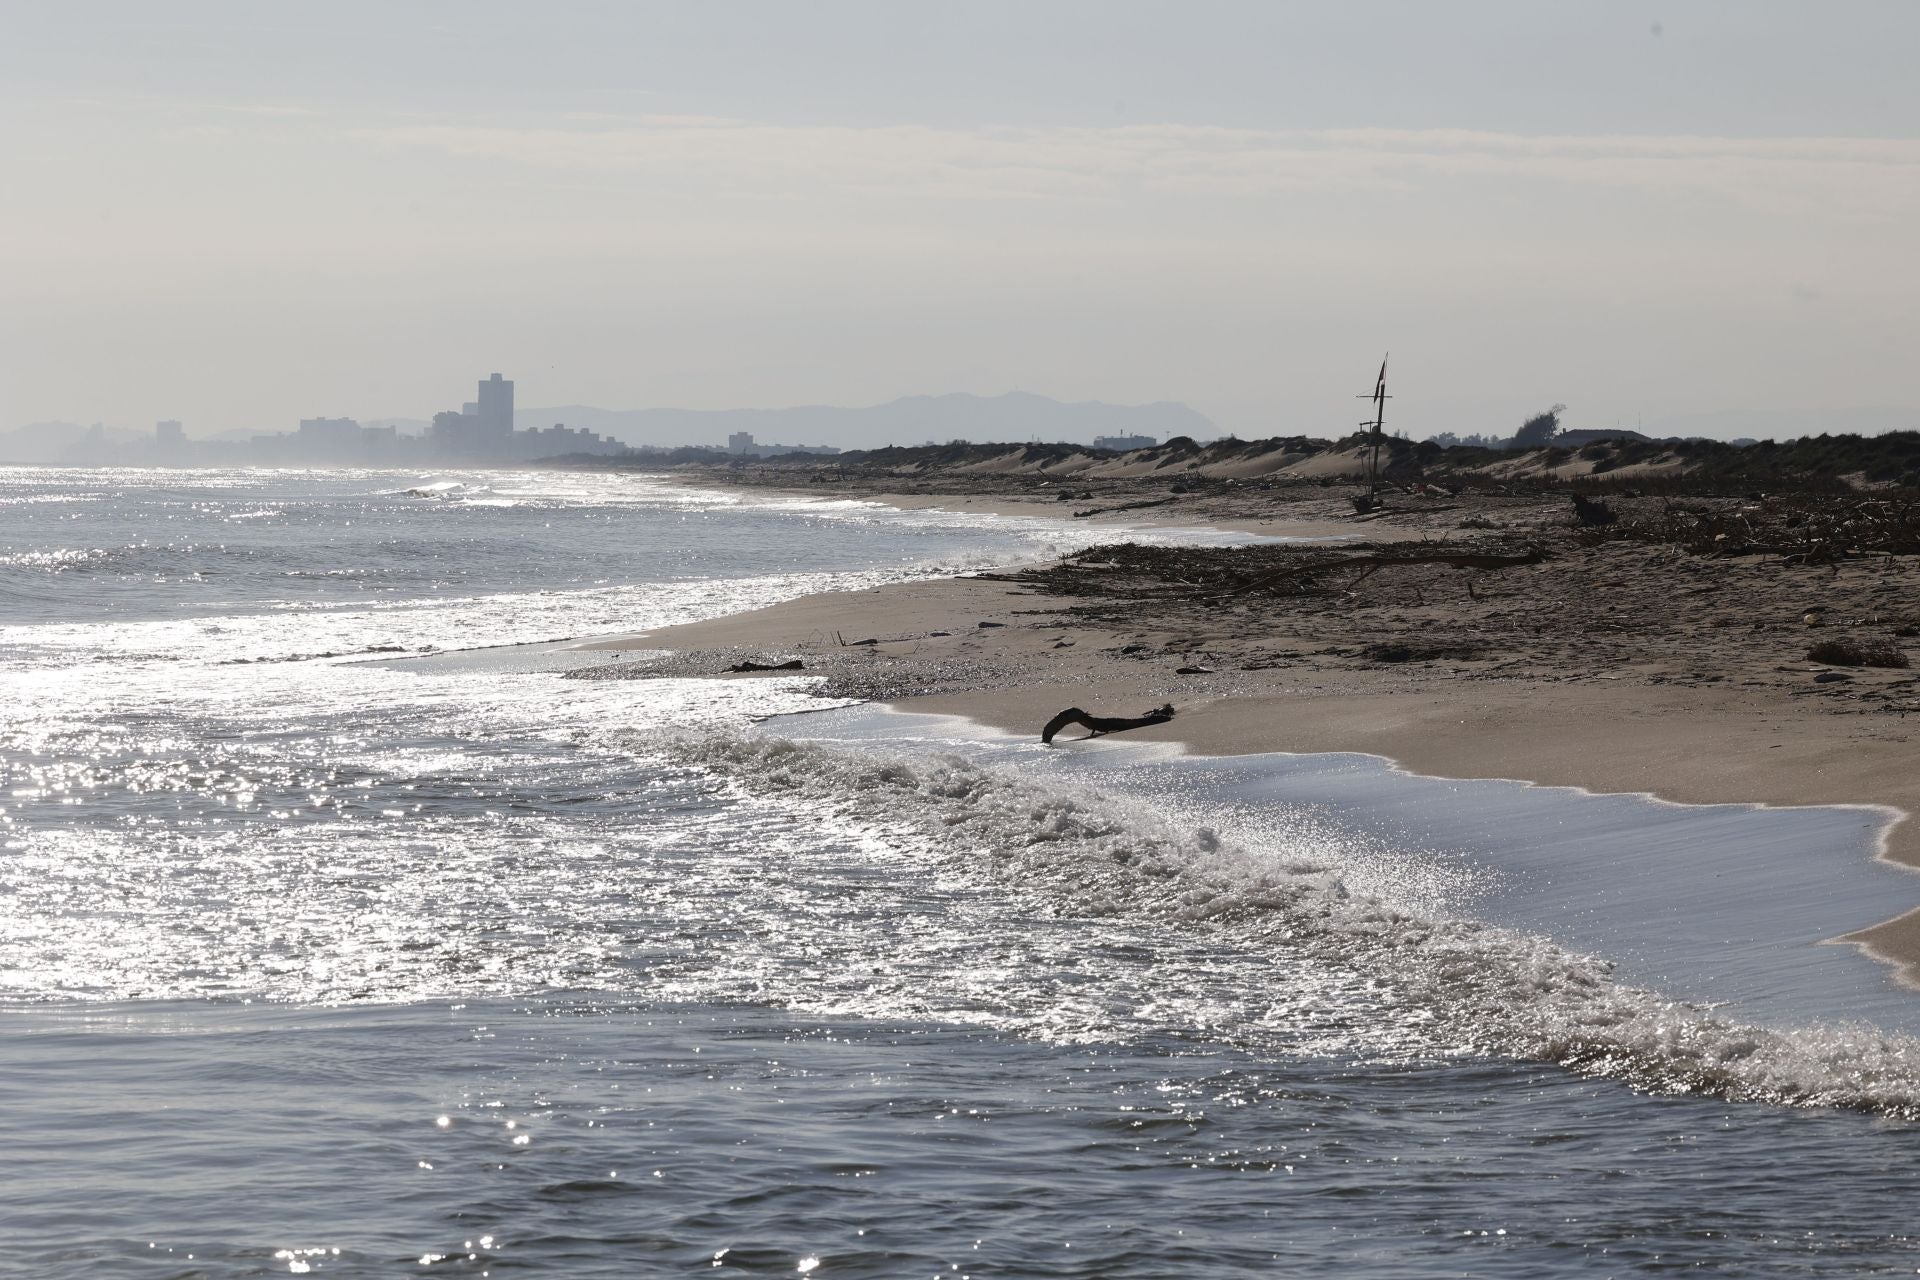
{"points": [[1097, 725]]}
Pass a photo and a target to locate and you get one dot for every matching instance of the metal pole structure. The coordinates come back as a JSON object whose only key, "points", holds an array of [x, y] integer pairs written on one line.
{"points": [[1379, 398]]}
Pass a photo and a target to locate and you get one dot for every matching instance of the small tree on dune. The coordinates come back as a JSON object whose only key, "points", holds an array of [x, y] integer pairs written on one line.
{"points": [[1540, 429]]}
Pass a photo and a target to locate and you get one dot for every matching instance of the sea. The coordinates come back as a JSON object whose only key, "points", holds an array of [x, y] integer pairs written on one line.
{"points": [[343, 934]]}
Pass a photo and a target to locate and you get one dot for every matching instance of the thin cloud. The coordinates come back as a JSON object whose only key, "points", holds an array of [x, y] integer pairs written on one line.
{"points": [[1881, 174], [263, 109]]}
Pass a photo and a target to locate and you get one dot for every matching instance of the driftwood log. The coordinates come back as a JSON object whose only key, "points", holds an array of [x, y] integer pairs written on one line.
{"points": [[791, 665], [1097, 725], [1125, 506]]}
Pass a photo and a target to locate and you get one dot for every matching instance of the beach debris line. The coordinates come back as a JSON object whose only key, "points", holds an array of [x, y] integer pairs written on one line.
{"points": [[1420, 651], [1098, 725], [1868, 652], [1149, 573], [1798, 528]]}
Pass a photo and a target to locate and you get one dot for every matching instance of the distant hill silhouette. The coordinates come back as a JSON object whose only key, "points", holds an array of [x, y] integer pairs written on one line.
{"points": [[1787, 424], [910, 420]]}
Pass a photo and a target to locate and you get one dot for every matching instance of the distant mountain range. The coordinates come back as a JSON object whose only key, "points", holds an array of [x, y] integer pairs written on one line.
{"points": [[910, 420]]}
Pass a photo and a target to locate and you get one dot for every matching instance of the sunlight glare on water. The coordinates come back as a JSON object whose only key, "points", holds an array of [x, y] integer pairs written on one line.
{"points": [[322, 960]]}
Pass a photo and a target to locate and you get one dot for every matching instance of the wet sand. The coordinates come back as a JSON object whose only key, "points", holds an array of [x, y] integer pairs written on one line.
{"points": [[1613, 668]]}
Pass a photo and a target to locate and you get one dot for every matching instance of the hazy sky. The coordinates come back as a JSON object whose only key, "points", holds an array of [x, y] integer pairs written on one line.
{"points": [[240, 214]]}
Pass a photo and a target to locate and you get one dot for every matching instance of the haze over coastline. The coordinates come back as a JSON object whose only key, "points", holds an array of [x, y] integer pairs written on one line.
{"points": [[911, 420], [583, 429], [238, 218]]}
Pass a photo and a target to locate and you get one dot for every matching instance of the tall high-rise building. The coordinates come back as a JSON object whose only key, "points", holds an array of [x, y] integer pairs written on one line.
{"points": [[483, 432], [494, 408]]}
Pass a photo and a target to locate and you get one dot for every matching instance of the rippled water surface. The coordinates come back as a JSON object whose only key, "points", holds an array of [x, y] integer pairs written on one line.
{"points": [[318, 962], [578, 1136]]}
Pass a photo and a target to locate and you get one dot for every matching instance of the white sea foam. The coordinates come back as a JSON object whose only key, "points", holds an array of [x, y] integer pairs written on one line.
{"points": [[1471, 987]]}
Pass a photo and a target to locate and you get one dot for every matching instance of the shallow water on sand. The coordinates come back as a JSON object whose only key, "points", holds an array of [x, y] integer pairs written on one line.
{"points": [[1729, 904], [447, 965]]}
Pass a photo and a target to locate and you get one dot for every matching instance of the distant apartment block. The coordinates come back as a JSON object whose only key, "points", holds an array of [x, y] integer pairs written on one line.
{"points": [[1124, 444], [741, 444], [548, 442], [483, 432], [483, 429], [320, 441], [169, 436], [328, 431], [494, 407]]}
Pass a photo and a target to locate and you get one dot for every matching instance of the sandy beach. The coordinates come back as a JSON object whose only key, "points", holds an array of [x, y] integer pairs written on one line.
{"points": [[1616, 667]]}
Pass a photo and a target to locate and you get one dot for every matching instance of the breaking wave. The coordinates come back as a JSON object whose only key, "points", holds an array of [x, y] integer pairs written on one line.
{"points": [[1462, 986]]}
